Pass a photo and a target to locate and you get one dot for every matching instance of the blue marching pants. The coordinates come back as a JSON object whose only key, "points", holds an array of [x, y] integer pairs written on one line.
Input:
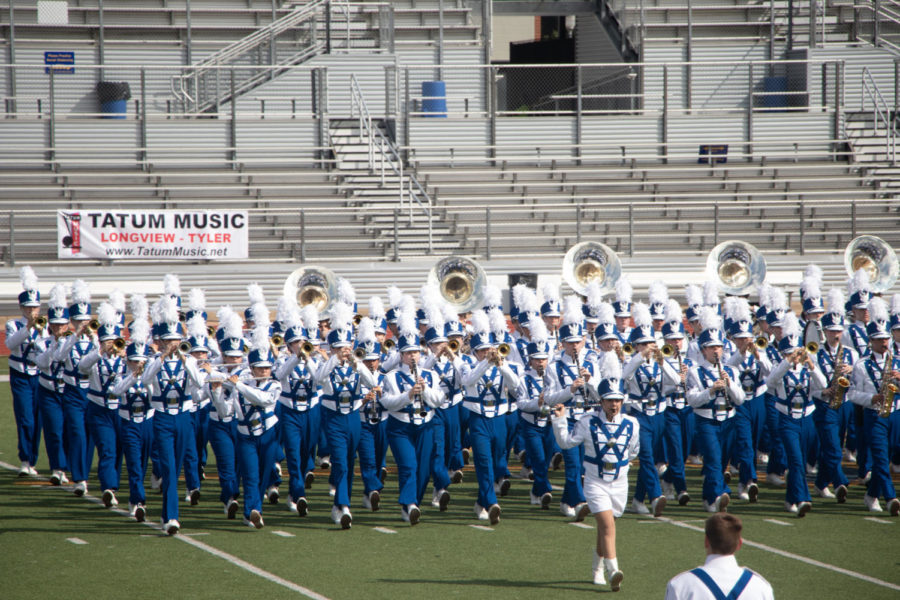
{"points": [[103, 424], [573, 462], [488, 437], [540, 446], [50, 405], [714, 440], [439, 473], [777, 462], [299, 434], [136, 441], [796, 435], [750, 420], [651, 435], [28, 419], [171, 436], [452, 437], [863, 459], [827, 424], [256, 454], [847, 426], [79, 444], [878, 433], [342, 432], [373, 445], [675, 447], [223, 439], [413, 449]]}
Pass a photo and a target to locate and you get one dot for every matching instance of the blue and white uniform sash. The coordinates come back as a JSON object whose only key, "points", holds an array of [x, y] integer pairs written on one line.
{"points": [[107, 372], [256, 420], [720, 406], [610, 445], [172, 381], [488, 400], [135, 405], [344, 397], [418, 411], [578, 403], [534, 387], [796, 402], [79, 350], [648, 379], [301, 393]]}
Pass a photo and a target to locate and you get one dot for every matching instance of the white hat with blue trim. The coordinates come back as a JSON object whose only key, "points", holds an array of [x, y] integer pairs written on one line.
{"points": [[30, 296], [80, 309]]}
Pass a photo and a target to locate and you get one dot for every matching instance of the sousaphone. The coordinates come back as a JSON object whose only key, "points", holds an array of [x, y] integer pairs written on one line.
{"points": [[874, 256], [461, 281], [591, 261], [312, 285], [737, 267]]}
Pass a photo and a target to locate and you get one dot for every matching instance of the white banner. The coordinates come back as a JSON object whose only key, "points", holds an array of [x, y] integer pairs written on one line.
{"points": [[152, 235]]}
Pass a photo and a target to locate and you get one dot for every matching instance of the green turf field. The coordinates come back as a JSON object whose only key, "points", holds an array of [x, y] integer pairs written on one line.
{"points": [[530, 554]]}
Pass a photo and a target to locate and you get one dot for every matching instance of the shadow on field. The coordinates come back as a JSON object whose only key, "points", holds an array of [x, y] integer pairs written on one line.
{"points": [[503, 583]]}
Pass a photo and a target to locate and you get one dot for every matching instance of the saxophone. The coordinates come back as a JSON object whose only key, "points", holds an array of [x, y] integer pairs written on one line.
{"points": [[887, 389], [839, 383]]}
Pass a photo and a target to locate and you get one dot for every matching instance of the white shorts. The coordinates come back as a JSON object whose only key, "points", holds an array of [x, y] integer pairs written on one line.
{"points": [[602, 495]]}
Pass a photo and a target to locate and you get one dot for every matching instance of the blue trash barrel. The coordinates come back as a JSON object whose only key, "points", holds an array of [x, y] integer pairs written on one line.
{"points": [[434, 99], [113, 97], [774, 89], [115, 109]]}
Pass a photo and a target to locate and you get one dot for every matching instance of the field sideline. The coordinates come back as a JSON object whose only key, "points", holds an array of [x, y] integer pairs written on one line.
{"points": [[53, 544]]}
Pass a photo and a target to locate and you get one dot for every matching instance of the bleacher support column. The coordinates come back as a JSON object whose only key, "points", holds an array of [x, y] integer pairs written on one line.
{"points": [[396, 235], [715, 224], [838, 104], [802, 227], [896, 86], [749, 147], [665, 115], [233, 128], [876, 26], [690, 53], [631, 230], [302, 236], [487, 232], [51, 153], [101, 50], [578, 115], [12, 238], [771, 69], [187, 33], [578, 223], [143, 152], [440, 45], [12, 57], [492, 99]]}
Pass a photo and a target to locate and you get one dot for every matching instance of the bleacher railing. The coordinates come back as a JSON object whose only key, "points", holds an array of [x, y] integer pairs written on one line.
{"points": [[881, 113]]}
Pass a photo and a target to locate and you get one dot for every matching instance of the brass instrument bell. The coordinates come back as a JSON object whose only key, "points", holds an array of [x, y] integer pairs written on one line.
{"points": [[40, 321], [460, 280], [94, 325], [360, 353], [812, 347], [668, 350], [761, 342], [876, 257], [737, 267], [277, 340], [591, 261], [312, 285], [119, 343], [504, 349], [453, 345], [628, 348], [388, 344], [184, 347]]}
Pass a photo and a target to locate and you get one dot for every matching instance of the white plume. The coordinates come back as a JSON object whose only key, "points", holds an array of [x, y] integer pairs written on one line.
{"points": [[895, 304], [255, 293], [610, 367], [530, 302], [197, 300], [657, 292], [836, 301], [429, 294], [765, 294], [518, 293], [878, 309], [406, 323], [408, 304], [155, 314], [435, 316], [710, 293], [777, 299], [57, 296], [292, 319], [811, 288], [790, 326], [232, 325], [80, 292], [222, 314], [376, 308], [366, 331], [168, 311], [740, 311], [641, 314], [594, 295], [814, 271], [341, 316], [140, 331], [498, 322], [286, 304], [673, 311], [345, 292], [492, 296], [449, 313], [28, 278], [310, 316], [106, 314], [860, 281], [550, 293], [259, 314], [196, 327], [709, 318], [171, 285], [259, 337], [117, 299], [729, 304], [572, 312], [693, 295], [480, 323], [537, 329], [395, 296], [624, 291], [606, 314]]}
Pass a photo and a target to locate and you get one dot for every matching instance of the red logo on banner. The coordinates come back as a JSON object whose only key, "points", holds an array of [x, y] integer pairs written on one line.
{"points": [[73, 224]]}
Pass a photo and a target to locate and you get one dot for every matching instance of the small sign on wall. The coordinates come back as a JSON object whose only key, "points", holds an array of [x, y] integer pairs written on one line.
{"points": [[59, 62]]}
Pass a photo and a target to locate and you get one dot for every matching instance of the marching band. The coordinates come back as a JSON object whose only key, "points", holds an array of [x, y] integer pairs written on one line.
{"points": [[589, 383]]}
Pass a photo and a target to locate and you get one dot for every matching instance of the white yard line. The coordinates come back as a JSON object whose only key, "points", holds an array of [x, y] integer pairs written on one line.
{"points": [[797, 557], [877, 520], [283, 534], [77, 541], [384, 530], [481, 527], [582, 525], [777, 522], [234, 560]]}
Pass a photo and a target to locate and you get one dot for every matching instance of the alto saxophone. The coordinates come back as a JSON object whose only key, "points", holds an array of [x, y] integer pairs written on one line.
{"points": [[888, 389], [839, 383]]}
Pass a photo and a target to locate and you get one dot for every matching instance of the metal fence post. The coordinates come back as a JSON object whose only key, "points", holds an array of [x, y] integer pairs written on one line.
{"points": [[853, 219], [12, 56], [396, 235], [487, 232], [101, 50], [665, 114], [187, 32], [233, 124], [51, 155], [749, 147], [631, 230], [578, 115], [302, 236], [716, 224], [802, 227], [12, 238], [578, 223], [328, 28], [838, 103]]}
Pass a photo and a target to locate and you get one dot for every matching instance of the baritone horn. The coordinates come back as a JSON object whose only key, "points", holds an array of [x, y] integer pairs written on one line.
{"points": [[737, 267], [312, 285], [461, 281], [591, 261], [874, 256]]}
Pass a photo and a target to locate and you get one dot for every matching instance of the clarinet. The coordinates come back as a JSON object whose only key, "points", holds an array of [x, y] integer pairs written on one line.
{"points": [[423, 411]]}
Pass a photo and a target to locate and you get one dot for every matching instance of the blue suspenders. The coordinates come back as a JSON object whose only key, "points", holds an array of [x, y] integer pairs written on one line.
{"points": [[716, 591]]}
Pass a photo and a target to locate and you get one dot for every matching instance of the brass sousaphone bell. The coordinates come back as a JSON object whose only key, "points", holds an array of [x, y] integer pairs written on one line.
{"points": [[591, 261], [876, 257], [312, 285], [461, 281], [737, 267]]}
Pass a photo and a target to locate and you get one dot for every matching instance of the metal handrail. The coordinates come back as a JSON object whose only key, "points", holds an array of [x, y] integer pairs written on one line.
{"points": [[881, 111], [388, 154]]}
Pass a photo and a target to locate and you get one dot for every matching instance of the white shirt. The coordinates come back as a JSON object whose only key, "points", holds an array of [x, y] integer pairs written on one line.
{"points": [[725, 572]]}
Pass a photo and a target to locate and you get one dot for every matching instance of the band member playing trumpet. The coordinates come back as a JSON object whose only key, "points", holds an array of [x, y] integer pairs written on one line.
{"points": [[645, 376], [752, 366], [610, 441], [410, 395], [26, 338], [622, 308], [713, 391], [198, 347], [570, 385], [483, 383], [534, 413], [551, 313], [373, 439], [52, 385], [874, 386], [793, 382], [104, 366], [836, 362], [679, 417]]}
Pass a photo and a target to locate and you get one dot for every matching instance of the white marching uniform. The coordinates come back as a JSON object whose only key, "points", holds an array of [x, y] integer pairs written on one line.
{"points": [[609, 447], [723, 571]]}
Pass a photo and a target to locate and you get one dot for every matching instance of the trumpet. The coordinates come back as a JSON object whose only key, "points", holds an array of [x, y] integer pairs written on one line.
{"points": [[277, 340], [306, 349], [94, 325], [388, 344], [356, 319], [812, 347], [184, 347], [360, 353], [453, 345], [67, 333], [503, 350], [668, 350], [40, 321], [119, 343], [210, 331], [761, 342], [628, 348]]}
